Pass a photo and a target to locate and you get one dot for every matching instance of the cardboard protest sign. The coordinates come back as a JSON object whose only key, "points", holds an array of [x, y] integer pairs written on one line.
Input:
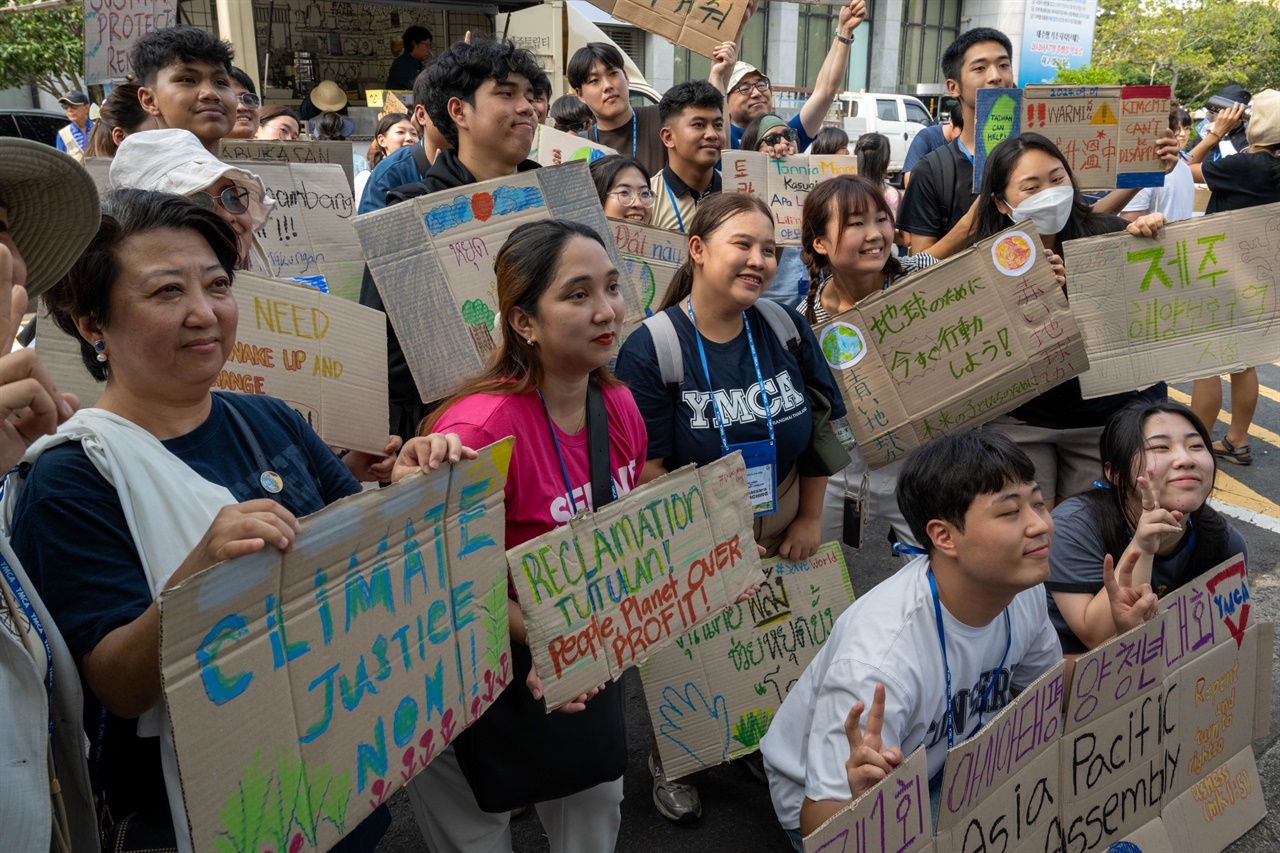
{"points": [[714, 693], [611, 588], [324, 356], [1218, 809], [892, 817], [553, 147], [306, 687], [1107, 133], [953, 346], [280, 151], [110, 29], [1199, 301], [700, 25], [310, 231], [782, 183], [651, 257], [432, 261]]}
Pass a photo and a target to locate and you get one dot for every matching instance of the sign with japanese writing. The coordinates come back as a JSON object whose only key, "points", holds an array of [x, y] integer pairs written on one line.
{"points": [[714, 693], [306, 151], [611, 588], [1202, 300], [305, 688], [1055, 34], [700, 25], [893, 817], [953, 346], [652, 256], [110, 29], [552, 147], [432, 260], [1107, 134], [783, 183]]}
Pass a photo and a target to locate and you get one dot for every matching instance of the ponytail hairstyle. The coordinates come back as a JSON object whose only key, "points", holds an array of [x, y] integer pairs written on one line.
{"points": [[872, 151], [525, 268], [713, 212]]}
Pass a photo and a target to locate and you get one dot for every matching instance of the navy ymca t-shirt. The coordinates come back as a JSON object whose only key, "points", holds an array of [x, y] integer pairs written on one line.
{"points": [[685, 431]]}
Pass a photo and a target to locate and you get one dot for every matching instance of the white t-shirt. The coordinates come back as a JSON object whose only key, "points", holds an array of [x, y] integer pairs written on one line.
{"points": [[890, 636], [1176, 199]]}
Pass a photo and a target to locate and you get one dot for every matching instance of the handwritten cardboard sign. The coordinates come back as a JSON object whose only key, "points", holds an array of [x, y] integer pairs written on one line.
{"points": [[1107, 133], [553, 147], [892, 817], [700, 25], [281, 151], [1200, 301], [714, 693], [954, 346], [324, 356], [651, 257], [432, 260], [110, 29], [306, 687], [611, 588], [782, 183]]}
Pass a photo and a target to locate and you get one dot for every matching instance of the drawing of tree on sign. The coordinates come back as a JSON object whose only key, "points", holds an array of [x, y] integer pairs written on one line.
{"points": [[283, 806], [479, 319]]}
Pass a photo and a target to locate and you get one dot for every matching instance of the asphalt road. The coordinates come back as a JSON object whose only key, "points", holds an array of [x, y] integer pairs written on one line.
{"points": [[737, 815]]}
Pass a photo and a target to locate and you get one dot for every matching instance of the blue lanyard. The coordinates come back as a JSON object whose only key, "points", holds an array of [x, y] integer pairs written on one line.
{"points": [[964, 151], [564, 470], [755, 361], [20, 595], [674, 206], [942, 640], [635, 121]]}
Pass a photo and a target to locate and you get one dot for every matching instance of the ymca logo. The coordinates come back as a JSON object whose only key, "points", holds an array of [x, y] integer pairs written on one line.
{"points": [[744, 406]]}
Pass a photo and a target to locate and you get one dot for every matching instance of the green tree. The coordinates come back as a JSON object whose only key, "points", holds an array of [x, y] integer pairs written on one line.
{"points": [[1089, 75], [44, 49]]}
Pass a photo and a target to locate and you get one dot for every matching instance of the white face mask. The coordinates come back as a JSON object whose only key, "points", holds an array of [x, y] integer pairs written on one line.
{"points": [[1048, 209]]}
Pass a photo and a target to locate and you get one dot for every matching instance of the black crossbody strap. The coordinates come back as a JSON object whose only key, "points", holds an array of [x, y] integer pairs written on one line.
{"points": [[598, 446]]}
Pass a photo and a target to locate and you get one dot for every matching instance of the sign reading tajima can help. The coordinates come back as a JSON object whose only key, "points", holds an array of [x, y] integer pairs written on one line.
{"points": [[110, 29], [714, 693], [432, 260], [782, 183], [611, 588], [953, 346], [1107, 134], [1199, 301], [306, 687]]}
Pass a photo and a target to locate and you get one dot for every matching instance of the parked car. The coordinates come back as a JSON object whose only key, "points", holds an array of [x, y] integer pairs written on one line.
{"points": [[899, 117], [40, 125]]}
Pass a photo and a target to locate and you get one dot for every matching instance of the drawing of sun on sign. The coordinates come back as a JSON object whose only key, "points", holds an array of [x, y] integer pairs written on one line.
{"points": [[1013, 253]]}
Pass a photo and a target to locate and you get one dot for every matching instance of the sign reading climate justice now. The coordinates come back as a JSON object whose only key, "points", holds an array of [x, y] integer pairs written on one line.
{"points": [[306, 687], [700, 25], [1107, 133], [611, 588], [1199, 301], [953, 346], [1150, 742], [782, 183], [714, 693]]}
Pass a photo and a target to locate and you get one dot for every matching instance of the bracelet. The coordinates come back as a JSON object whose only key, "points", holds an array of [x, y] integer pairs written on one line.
{"points": [[1209, 130], [846, 39]]}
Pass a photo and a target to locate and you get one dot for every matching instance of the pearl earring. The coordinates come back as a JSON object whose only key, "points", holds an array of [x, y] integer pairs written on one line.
{"points": [[529, 341], [100, 346]]}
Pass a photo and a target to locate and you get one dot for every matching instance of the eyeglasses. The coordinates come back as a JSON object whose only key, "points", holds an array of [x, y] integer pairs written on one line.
{"points": [[762, 86], [249, 100], [779, 135], [627, 197], [234, 200]]}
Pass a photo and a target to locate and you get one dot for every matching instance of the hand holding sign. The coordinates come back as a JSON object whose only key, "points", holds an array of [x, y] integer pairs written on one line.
{"points": [[574, 706], [1130, 605], [1148, 226], [429, 452], [869, 762], [374, 467]]}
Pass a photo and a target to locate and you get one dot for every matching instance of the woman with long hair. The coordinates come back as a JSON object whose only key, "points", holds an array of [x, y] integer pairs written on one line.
{"points": [[872, 151]]}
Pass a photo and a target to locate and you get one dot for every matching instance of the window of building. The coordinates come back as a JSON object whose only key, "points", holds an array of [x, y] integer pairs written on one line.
{"points": [[928, 26]]}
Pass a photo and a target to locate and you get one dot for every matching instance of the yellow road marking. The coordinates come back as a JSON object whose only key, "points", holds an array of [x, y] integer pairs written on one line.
{"points": [[1254, 430], [1269, 393], [1230, 490]]}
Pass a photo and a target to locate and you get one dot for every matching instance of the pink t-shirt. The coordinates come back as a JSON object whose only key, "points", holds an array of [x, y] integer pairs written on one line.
{"points": [[536, 498]]}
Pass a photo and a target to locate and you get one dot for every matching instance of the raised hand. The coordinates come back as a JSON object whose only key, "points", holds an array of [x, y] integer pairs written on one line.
{"points": [[851, 15], [869, 762], [1131, 604], [1157, 528]]}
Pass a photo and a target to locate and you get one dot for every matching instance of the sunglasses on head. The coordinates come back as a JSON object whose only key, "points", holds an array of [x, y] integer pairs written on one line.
{"points": [[234, 200], [779, 135]]}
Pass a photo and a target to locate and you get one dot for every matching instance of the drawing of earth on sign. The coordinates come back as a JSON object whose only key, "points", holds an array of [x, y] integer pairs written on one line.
{"points": [[843, 345], [587, 153], [1014, 253], [638, 270]]}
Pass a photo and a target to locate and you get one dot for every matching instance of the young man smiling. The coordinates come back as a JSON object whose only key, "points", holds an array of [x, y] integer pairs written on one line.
{"points": [[185, 82], [693, 133]]}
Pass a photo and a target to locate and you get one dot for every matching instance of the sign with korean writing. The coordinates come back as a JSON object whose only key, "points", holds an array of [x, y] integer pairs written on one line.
{"points": [[953, 346], [611, 588], [1202, 300], [110, 29], [1055, 34], [700, 25], [306, 687], [714, 693], [1107, 134], [280, 151], [893, 817], [652, 256], [432, 260], [552, 147], [782, 183], [324, 356]]}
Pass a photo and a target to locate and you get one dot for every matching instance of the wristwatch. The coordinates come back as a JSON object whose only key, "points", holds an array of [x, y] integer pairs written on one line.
{"points": [[846, 39]]}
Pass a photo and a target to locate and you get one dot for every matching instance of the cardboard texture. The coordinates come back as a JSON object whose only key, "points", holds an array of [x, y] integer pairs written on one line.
{"points": [[714, 693], [324, 356], [892, 817], [1218, 809], [432, 260], [305, 688], [611, 588], [700, 25], [1020, 815], [111, 28], [303, 151], [1199, 301], [783, 184], [651, 257], [1107, 133], [1150, 838], [954, 346], [553, 147]]}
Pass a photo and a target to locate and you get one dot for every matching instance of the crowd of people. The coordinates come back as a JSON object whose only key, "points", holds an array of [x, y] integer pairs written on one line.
{"points": [[1043, 534]]}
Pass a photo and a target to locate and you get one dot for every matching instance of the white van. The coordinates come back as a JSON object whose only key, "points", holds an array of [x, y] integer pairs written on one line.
{"points": [[899, 117]]}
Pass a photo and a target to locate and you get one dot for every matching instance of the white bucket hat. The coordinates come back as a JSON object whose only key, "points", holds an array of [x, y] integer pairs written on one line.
{"points": [[174, 161]]}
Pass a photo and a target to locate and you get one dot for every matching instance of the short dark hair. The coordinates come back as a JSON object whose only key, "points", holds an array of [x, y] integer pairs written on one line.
{"points": [[583, 58], [164, 47], [85, 291], [953, 56], [570, 114], [243, 79], [957, 117], [605, 171], [828, 141], [463, 68], [415, 35], [694, 93], [942, 478]]}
